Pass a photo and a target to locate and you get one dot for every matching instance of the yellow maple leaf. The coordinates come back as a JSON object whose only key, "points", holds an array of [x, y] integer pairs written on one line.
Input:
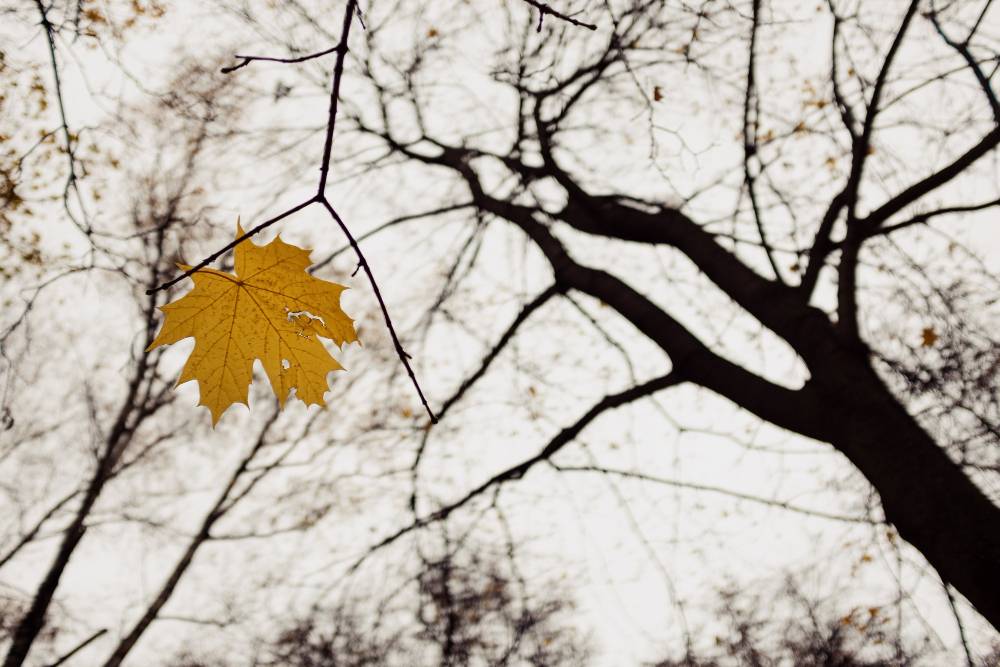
{"points": [[271, 310]]}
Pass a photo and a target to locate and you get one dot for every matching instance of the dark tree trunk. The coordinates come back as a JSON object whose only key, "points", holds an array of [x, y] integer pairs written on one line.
{"points": [[117, 440], [34, 620], [929, 499]]}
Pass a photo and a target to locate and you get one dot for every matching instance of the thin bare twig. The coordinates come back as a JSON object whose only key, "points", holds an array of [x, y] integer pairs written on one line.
{"points": [[71, 180], [751, 125], [232, 244], [79, 647], [708, 488], [516, 472], [544, 9], [246, 60]]}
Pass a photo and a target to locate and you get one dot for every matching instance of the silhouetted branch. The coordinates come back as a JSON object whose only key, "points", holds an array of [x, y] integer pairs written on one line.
{"points": [[246, 60], [927, 185], [79, 647], [962, 48], [563, 438], [544, 297], [71, 180], [546, 10], [708, 488]]}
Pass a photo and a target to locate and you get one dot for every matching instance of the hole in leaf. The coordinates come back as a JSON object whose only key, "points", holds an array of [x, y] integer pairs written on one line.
{"points": [[303, 316], [304, 321]]}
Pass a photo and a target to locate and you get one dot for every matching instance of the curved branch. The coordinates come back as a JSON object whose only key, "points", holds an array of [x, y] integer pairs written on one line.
{"points": [[707, 488], [484, 365], [384, 226], [924, 217], [962, 48], [911, 194], [751, 118], [561, 439], [792, 409], [246, 60], [545, 10]]}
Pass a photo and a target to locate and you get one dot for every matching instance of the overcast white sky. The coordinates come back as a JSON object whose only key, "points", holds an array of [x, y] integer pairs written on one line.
{"points": [[627, 551]]}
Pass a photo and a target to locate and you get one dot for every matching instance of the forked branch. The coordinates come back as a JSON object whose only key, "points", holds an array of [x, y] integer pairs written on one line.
{"points": [[320, 197]]}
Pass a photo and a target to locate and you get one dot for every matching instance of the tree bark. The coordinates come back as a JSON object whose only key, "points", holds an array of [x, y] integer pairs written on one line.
{"points": [[929, 499]]}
